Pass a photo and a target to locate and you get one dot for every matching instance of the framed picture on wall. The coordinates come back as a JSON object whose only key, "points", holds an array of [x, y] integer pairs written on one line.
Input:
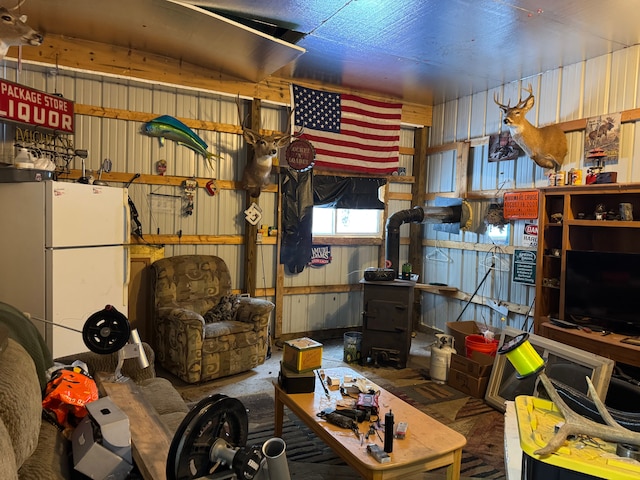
{"points": [[563, 363], [503, 147]]}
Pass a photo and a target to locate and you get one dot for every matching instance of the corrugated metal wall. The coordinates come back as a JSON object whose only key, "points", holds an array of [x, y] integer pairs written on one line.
{"points": [[160, 207], [603, 85], [338, 310], [599, 86]]}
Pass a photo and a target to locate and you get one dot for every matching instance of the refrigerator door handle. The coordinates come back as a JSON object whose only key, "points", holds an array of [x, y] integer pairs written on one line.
{"points": [[127, 275], [127, 217]]}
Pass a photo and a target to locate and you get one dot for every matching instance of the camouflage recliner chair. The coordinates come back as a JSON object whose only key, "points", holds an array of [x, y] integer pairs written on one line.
{"points": [[201, 329]]}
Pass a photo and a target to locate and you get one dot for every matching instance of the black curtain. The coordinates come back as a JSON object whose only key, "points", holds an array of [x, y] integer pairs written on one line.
{"points": [[301, 191], [347, 192], [297, 218]]}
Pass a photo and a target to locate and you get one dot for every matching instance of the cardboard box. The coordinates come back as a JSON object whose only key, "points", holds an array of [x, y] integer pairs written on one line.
{"points": [[293, 382], [479, 365], [470, 375], [460, 330], [302, 355], [476, 387]]}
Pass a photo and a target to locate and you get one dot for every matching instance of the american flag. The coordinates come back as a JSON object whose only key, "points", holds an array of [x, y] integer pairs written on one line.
{"points": [[348, 133]]}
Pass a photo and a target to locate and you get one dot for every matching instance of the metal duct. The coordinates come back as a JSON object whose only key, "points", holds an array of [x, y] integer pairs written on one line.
{"points": [[452, 214]]}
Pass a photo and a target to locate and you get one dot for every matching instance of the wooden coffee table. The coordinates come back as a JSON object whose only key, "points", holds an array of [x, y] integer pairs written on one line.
{"points": [[428, 444]]}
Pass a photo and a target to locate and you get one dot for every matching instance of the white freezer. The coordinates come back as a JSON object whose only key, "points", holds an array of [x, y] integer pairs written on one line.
{"points": [[63, 255]]}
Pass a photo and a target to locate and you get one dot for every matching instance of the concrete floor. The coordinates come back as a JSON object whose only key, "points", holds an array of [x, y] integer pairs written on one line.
{"points": [[260, 379]]}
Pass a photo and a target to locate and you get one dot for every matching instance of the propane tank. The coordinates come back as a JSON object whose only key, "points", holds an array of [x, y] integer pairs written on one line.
{"points": [[441, 351]]}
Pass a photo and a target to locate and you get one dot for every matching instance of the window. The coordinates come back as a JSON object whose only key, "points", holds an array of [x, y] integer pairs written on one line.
{"points": [[346, 221]]}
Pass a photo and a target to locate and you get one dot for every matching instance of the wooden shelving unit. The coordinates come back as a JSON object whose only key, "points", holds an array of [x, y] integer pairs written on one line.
{"points": [[566, 222]]}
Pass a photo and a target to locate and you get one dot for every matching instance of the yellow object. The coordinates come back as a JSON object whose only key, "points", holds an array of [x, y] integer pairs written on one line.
{"points": [[522, 356], [537, 419], [302, 355]]}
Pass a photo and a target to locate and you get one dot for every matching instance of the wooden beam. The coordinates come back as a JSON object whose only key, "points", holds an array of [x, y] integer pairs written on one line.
{"points": [[251, 231], [321, 289], [166, 180], [416, 231], [452, 292], [462, 166], [59, 51], [279, 299]]}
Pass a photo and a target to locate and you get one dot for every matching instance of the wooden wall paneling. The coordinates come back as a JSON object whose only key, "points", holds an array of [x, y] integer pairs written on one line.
{"points": [[140, 289]]}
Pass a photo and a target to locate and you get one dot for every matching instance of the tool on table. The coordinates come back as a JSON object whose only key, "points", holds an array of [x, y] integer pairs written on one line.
{"points": [[326, 390], [388, 432], [376, 452], [341, 421]]}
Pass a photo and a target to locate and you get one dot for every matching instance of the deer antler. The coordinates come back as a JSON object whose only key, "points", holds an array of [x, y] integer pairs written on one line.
{"points": [[17, 6], [501, 105], [522, 103], [575, 424], [242, 122]]}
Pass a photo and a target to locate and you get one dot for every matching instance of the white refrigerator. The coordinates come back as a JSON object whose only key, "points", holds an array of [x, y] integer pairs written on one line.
{"points": [[63, 255]]}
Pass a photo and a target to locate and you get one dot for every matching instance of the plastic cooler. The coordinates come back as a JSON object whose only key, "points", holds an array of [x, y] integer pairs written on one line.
{"points": [[580, 458]]}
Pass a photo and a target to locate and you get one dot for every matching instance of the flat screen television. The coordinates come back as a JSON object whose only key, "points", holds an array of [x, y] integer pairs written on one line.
{"points": [[602, 290]]}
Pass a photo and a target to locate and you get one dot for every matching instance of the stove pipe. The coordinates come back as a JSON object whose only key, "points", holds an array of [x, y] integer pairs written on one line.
{"points": [[452, 214]]}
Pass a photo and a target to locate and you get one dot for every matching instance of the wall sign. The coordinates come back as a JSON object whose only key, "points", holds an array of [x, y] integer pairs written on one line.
{"points": [[32, 107], [300, 155], [524, 266], [530, 235], [320, 255], [521, 205]]}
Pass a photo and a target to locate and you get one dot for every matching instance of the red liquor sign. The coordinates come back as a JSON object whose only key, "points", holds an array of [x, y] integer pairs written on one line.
{"points": [[32, 107]]}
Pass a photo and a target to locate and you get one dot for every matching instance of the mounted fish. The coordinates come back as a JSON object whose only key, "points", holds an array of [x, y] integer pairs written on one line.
{"points": [[169, 127], [14, 30]]}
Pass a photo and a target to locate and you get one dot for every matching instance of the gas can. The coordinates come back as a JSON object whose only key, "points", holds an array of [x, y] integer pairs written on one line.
{"points": [[441, 351]]}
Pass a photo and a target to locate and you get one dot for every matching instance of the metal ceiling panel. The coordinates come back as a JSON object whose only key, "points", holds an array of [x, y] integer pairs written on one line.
{"points": [[427, 51], [167, 28], [422, 51]]}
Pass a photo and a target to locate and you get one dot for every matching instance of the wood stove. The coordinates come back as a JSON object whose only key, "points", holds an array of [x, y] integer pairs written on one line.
{"points": [[387, 322]]}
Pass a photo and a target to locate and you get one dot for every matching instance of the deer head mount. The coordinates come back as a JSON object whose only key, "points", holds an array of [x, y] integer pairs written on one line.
{"points": [[14, 30], [546, 146], [257, 172]]}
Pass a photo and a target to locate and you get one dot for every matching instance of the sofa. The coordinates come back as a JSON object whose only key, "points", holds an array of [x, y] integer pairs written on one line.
{"points": [[31, 447], [201, 330]]}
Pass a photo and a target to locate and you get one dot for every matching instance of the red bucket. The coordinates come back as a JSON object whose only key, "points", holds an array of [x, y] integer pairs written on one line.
{"points": [[480, 344]]}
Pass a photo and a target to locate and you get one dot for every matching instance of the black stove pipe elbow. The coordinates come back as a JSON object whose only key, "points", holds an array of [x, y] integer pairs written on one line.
{"points": [[451, 214], [414, 215]]}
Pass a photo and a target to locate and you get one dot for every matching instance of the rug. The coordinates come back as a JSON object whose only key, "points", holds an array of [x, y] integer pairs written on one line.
{"points": [[482, 457], [482, 425]]}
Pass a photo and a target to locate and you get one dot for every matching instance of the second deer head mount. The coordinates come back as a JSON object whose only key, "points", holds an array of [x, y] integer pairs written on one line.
{"points": [[15, 31], [546, 146], [257, 172]]}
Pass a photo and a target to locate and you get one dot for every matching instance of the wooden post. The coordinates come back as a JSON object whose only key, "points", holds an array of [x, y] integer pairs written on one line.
{"points": [[251, 231], [416, 250]]}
